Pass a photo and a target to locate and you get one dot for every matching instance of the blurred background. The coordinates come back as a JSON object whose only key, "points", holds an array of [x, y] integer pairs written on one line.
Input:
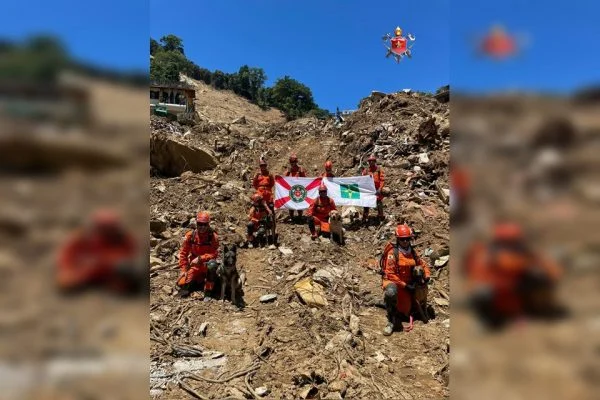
{"points": [[525, 192], [74, 202]]}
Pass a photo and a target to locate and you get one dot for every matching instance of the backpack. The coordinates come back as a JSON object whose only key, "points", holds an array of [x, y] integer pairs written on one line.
{"points": [[208, 241], [389, 246]]}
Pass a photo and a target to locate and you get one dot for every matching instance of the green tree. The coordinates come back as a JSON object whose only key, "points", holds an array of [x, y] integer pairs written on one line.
{"points": [[166, 66], [220, 80], [154, 46], [172, 43], [292, 97]]}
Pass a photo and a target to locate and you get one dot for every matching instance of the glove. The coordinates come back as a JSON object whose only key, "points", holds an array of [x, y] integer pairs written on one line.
{"points": [[206, 257], [410, 287]]}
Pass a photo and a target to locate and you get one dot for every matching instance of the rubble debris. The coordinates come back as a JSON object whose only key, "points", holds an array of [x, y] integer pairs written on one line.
{"points": [[311, 293]]}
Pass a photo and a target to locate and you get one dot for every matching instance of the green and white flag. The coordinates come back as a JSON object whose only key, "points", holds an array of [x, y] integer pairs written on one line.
{"points": [[352, 191]]}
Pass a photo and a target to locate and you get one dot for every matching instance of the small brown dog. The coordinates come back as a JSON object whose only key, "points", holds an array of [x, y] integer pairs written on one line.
{"points": [[421, 292], [336, 229]]}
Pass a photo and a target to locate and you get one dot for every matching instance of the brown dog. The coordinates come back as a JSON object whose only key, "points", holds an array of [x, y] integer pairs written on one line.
{"points": [[336, 228], [421, 292]]}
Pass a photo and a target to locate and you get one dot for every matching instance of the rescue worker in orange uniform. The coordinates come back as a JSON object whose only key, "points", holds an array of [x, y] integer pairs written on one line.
{"points": [[397, 262], [319, 211], [258, 211], [103, 255], [328, 170], [507, 280], [459, 193], [264, 182], [377, 173], [295, 171], [197, 258]]}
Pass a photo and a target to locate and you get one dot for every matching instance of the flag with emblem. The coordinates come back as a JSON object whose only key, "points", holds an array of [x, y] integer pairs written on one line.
{"points": [[295, 193], [352, 191]]}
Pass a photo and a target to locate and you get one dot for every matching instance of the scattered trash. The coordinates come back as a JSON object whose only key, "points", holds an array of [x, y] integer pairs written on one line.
{"points": [[267, 298], [440, 262]]}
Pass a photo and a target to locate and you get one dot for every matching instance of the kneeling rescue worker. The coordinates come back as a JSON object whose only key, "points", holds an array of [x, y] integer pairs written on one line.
{"points": [[319, 211], [197, 258], [102, 255], [397, 262], [258, 211]]}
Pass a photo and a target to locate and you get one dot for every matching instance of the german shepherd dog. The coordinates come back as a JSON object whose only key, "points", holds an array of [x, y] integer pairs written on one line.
{"points": [[421, 291], [229, 274]]}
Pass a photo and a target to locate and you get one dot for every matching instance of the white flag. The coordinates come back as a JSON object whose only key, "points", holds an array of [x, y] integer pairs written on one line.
{"points": [[295, 193], [352, 191]]}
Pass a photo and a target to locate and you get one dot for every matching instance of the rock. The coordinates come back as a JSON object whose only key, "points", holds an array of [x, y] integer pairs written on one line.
{"points": [[172, 158], [261, 391], [443, 260], [333, 395], [423, 158], [203, 327], [323, 277], [338, 386], [446, 323], [267, 298], [154, 241], [309, 392], [350, 212], [375, 94], [297, 268], [240, 120], [285, 251], [379, 357], [354, 324], [427, 129], [154, 261], [161, 188], [337, 342], [311, 293], [158, 226], [441, 302], [251, 144]]}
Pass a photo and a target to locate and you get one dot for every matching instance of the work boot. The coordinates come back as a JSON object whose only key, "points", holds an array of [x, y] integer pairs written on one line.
{"points": [[183, 292]]}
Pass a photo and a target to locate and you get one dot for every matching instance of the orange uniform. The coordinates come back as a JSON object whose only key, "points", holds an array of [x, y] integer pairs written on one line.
{"points": [[320, 209], [257, 214], [502, 270], [264, 184], [297, 172], [378, 177], [92, 258], [399, 272], [197, 249]]}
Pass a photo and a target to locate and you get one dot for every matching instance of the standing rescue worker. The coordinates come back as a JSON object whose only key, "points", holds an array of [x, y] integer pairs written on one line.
{"points": [[397, 263], [319, 211], [264, 182], [258, 211], [295, 171], [328, 170], [197, 258], [377, 173]]}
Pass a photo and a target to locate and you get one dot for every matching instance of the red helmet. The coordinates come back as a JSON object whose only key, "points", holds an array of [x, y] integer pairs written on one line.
{"points": [[105, 218], [508, 231], [262, 161], [293, 158], [328, 165], [372, 158], [256, 198], [403, 232], [203, 217], [322, 188]]}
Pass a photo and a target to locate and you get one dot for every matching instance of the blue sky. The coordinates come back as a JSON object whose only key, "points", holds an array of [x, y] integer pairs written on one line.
{"points": [[563, 53], [333, 47], [108, 33]]}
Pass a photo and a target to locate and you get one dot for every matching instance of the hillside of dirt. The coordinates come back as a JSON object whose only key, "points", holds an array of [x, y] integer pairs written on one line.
{"points": [[283, 348]]}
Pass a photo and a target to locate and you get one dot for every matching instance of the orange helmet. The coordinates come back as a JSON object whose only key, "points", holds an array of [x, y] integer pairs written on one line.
{"points": [[403, 232], [322, 188], [203, 217], [105, 218], [293, 158], [328, 165], [372, 158], [262, 161], [508, 231], [256, 198]]}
